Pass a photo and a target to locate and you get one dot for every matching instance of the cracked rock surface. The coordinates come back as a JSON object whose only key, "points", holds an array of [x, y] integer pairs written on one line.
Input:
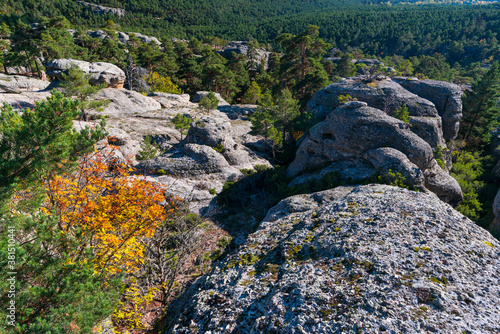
{"points": [[363, 259]]}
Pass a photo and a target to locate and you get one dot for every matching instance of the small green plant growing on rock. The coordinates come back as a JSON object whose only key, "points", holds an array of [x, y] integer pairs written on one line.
{"points": [[219, 148], [149, 149], [402, 113], [346, 98]]}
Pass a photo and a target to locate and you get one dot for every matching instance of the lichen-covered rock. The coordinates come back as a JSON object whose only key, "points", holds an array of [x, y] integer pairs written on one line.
{"points": [[365, 259], [351, 131], [98, 9], [100, 72], [15, 84]]}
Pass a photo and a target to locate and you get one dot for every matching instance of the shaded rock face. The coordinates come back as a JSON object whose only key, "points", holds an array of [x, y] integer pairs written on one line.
{"points": [[435, 106], [364, 259], [106, 73], [356, 132], [447, 98], [495, 225]]}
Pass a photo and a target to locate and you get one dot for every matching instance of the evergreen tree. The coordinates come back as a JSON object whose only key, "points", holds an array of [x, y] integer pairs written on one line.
{"points": [[253, 94], [209, 102], [76, 83], [480, 109], [300, 67], [345, 67]]}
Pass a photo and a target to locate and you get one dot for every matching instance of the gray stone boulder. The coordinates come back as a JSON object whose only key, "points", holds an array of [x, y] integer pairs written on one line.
{"points": [[217, 133], [192, 160], [98, 9], [100, 72], [356, 132], [15, 84], [446, 96], [381, 93], [24, 100], [146, 39], [495, 225], [364, 259], [202, 94], [241, 48], [435, 107], [125, 102], [172, 100]]}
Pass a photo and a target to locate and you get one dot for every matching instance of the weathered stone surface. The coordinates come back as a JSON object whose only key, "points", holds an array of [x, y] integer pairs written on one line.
{"points": [[218, 133], [241, 48], [146, 39], [172, 100], [383, 94], [15, 84], [387, 159], [429, 129], [126, 102], [356, 132], [98, 9], [193, 161], [24, 100], [201, 95], [364, 259], [446, 96], [106, 73]]}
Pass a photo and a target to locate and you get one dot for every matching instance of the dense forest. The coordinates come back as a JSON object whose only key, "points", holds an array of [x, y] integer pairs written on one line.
{"points": [[463, 34]]}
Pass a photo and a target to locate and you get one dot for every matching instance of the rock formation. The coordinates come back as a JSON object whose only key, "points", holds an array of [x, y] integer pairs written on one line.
{"points": [[368, 137], [100, 72], [365, 259], [241, 47], [98, 9], [22, 92], [434, 106], [202, 94]]}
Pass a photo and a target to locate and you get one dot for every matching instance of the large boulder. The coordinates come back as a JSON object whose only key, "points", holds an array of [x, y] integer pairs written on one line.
{"points": [[365, 259], [24, 100], [125, 102], [241, 48], [434, 106], [446, 96], [356, 132], [15, 84], [381, 93], [98, 9], [172, 100], [100, 72]]}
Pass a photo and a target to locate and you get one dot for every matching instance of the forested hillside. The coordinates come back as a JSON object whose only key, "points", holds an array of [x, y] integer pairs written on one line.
{"points": [[463, 34]]}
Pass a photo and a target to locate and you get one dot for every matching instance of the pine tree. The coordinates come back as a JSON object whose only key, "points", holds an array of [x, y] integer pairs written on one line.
{"points": [[253, 94], [480, 109], [209, 102], [76, 83]]}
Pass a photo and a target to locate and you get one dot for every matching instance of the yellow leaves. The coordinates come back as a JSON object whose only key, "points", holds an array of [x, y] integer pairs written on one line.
{"points": [[114, 210]]}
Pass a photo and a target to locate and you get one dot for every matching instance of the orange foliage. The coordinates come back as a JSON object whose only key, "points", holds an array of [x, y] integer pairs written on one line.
{"points": [[110, 210]]}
